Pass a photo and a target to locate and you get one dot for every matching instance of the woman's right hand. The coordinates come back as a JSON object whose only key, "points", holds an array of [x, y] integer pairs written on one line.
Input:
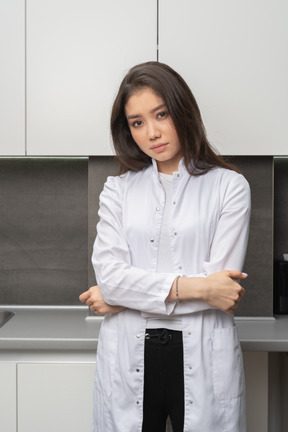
{"points": [[94, 299]]}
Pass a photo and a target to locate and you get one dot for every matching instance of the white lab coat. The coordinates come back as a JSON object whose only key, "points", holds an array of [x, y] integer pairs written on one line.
{"points": [[209, 232]]}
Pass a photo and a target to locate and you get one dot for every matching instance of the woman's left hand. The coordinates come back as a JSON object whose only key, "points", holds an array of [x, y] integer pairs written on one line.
{"points": [[93, 298]]}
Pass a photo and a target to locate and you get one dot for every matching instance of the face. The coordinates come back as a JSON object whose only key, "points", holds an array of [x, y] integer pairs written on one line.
{"points": [[153, 129]]}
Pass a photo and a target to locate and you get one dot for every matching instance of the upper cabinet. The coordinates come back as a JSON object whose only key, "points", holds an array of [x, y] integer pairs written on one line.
{"points": [[77, 53], [62, 62], [12, 77], [234, 56]]}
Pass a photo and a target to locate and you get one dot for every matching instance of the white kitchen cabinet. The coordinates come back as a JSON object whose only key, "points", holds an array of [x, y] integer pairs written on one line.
{"points": [[12, 77], [59, 396], [234, 56], [8, 407], [77, 53], [55, 397]]}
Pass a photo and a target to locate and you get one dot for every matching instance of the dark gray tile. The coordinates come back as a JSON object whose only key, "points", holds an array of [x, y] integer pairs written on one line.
{"points": [[259, 259], [43, 230]]}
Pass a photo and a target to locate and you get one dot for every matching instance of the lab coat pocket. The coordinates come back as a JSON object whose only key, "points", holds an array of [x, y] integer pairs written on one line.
{"points": [[106, 357], [227, 364]]}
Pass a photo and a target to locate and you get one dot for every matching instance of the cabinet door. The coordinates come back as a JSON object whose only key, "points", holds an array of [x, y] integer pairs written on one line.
{"points": [[55, 397], [12, 77], [8, 397], [77, 53], [234, 56]]}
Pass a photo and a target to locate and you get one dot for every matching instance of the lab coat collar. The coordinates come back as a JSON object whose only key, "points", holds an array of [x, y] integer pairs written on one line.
{"points": [[181, 167]]}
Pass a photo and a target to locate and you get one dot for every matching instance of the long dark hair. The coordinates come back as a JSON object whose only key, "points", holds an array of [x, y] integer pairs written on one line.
{"points": [[199, 156]]}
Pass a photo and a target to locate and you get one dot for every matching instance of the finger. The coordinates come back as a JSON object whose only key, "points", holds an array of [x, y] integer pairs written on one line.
{"points": [[241, 294], [84, 296], [235, 274], [89, 302], [230, 311], [94, 309]]}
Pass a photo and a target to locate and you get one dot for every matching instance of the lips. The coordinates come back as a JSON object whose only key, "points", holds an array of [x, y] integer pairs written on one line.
{"points": [[157, 148]]}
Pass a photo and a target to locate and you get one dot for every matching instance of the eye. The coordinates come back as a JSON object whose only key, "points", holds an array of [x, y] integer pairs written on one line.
{"points": [[136, 123], [162, 114]]}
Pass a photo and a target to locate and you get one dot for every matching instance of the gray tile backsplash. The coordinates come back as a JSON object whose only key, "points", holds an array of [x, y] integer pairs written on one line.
{"points": [[258, 300], [48, 226], [43, 230]]}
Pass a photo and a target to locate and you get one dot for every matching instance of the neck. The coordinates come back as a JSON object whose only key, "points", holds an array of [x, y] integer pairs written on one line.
{"points": [[167, 167]]}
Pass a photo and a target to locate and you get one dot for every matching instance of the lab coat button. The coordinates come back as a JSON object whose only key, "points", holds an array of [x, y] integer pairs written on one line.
{"points": [[137, 370], [191, 402], [189, 333], [137, 402], [151, 239], [138, 336], [180, 268], [190, 367], [157, 209], [174, 202], [175, 233]]}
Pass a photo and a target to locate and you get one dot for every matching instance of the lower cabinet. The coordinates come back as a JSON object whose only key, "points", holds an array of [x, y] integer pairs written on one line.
{"points": [[55, 397], [58, 396], [8, 397]]}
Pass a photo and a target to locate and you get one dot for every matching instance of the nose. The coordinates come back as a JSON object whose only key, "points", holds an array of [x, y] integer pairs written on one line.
{"points": [[153, 131]]}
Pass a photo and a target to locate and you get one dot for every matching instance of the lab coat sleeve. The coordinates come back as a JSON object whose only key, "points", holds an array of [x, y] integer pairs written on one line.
{"points": [[229, 244]]}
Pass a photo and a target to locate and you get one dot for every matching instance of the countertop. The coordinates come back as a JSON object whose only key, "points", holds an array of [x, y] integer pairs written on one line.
{"points": [[50, 327], [71, 328]]}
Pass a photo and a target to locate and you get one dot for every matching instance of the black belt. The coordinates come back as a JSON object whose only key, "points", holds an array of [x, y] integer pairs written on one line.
{"points": [[163, 335]]}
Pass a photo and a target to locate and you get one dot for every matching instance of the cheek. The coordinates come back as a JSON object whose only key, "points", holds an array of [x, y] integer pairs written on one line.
{"points": [[174, 135], [137, 138], [170, 129]]}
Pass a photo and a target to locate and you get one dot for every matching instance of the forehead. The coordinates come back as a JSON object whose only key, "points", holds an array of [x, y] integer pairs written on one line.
{"points": [[144, 99]]}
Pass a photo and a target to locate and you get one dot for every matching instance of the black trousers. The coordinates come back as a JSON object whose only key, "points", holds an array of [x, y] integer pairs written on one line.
{"points": [[163, 381]]}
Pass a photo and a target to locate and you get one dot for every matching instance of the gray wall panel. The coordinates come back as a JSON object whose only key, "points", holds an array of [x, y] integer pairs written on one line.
{"points": [[259, 259], [43, 230]]}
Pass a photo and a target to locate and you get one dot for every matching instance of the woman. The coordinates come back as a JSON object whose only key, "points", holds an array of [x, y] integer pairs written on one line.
{"points": [[170, 246]]}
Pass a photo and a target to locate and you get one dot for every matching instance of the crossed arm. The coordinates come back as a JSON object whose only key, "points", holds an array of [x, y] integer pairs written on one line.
{"points": [[219, 290]]}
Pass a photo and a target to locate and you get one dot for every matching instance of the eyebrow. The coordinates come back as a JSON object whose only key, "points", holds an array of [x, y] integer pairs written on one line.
{"points": [[133, 116]]}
